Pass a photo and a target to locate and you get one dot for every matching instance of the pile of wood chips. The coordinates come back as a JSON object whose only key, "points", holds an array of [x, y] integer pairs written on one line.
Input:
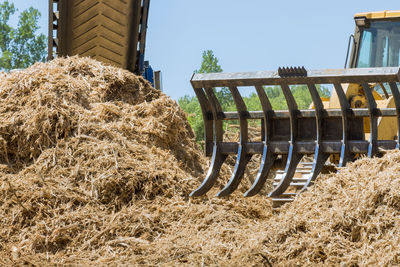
{"points": [[96, 167]]}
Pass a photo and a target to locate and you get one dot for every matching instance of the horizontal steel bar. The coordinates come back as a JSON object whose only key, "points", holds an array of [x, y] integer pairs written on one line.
{"points": [[326, 76], [306, 147], [310, 113]]}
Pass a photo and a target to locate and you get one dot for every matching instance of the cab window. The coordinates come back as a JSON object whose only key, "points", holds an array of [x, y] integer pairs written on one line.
{"points": [[380, 45]]}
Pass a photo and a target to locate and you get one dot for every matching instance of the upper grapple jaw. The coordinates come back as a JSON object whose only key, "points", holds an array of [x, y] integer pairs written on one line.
{"points": [[295, 133]]}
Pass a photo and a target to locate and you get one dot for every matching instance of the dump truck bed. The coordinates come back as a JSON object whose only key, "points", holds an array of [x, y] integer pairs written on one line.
{"points": [[112, 31]]}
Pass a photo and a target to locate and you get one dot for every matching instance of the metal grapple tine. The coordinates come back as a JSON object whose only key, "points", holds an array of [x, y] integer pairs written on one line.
{"points": [[216, 162], [318, 165], [268, 158], [319, 109], [290, 169], [396, 97], [242, 156], [373, 138], [217, 157], [238, 172], [293, 157], [344, 107], [267, 161], [207, 118], [319, 157]]}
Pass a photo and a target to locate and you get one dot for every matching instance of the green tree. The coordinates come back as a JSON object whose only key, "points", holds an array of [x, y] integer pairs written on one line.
{"points": [[191, 105], [23, 46], [300, 93], [209, 63]]}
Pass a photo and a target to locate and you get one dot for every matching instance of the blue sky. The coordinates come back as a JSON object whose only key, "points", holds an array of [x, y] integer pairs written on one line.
{"points": [[245, 35]]}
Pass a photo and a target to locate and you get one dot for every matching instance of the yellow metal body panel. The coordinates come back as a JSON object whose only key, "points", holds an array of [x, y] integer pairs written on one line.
{"points": [[379, 14], [387, 126]]}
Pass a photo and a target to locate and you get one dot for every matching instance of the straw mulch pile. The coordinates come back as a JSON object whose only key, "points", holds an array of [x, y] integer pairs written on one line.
{"points": [[96, 167], [351, 218]]}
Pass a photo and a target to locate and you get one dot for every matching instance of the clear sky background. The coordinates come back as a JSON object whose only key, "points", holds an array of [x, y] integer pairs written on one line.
{"points": [[247, 35]]}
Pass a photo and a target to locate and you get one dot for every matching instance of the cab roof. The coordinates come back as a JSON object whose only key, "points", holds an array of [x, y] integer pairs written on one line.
{"points": [[379, 14]]}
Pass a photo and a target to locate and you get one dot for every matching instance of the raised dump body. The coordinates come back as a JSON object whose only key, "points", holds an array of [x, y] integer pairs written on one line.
{"points": [[112, 31]]}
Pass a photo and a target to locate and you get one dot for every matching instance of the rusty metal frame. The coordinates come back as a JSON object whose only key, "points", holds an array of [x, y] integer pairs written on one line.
{"points": [[310, 130]]}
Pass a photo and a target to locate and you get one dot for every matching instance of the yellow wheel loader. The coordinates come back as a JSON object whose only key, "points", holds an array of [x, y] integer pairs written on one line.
{"points": [[362, 116]]}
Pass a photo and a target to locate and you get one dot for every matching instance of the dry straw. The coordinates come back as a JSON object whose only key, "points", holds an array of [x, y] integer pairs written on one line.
{"points": [[96, 167]]}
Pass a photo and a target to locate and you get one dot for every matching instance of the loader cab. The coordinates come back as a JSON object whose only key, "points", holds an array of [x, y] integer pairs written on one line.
{"points": [[376, 40]]}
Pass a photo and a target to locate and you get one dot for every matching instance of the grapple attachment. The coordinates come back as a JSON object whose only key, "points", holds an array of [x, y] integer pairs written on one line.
{"points": [[293, 133]]}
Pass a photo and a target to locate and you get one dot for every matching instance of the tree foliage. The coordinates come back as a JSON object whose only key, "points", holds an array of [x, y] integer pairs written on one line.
{"points": [[300, 93], [23, 46], [209, 64], [191, 105]]}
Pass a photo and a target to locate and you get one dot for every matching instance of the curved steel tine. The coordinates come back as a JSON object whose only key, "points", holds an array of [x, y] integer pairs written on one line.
{"points": [[216, 162], [267, 162], [217, 158], [373, 146], [291, 102], [242, 157], [319, 157], [345, 107], [396, 97], [293, 157], [268, 158], [218, 115], [290, 169], [240, 166], [207, 118], [318, 164]]}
